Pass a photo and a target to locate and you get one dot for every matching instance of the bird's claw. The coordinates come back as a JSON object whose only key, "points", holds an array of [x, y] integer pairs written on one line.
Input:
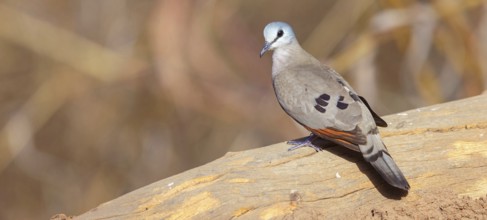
{"points": [[308, 142]]}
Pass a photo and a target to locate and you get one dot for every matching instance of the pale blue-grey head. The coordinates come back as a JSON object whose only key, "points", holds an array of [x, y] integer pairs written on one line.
{"points": [[277, 34]]}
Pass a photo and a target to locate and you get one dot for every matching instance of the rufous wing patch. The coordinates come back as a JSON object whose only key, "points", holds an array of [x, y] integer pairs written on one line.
{"points": [[350, 139]]}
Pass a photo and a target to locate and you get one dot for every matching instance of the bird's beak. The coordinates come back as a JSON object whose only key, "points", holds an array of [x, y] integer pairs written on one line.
{"points": [[267, 46]]}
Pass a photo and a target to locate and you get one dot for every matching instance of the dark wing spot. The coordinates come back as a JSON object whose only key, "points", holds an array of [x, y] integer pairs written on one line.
{"points": [[320, 109], [321, 102], [341, 98], [341, 82], [354, 96], [373, 131], [342, 105], [325, 97]]}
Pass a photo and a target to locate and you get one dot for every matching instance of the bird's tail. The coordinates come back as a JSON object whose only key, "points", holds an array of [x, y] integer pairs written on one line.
{"points": [[375, 152]]}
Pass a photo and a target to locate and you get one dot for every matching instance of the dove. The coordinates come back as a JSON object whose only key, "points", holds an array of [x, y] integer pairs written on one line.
{"points": [[319, 99]]}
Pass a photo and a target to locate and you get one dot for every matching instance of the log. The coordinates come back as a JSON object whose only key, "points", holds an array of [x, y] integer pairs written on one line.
{"points": [[442, 150]]}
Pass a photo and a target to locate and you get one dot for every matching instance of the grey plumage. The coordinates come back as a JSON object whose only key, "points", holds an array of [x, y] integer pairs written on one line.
{"points": [[322, 101]]}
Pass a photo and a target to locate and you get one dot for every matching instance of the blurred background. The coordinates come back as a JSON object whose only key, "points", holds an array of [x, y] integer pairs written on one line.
{"points": [[99, 98]]}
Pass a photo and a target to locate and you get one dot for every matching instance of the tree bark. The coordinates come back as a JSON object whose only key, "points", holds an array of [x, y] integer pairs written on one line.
{"points": [[440, 147]]}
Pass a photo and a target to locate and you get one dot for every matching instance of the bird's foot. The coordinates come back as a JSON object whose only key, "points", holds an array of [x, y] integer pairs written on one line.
{"points": [[308, 142]]}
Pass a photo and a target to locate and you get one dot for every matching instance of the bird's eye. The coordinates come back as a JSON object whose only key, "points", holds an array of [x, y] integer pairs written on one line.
{"points": [[280, 33]]}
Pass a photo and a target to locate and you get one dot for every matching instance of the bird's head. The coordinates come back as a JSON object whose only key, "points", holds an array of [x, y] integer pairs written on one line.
{"points": [[277, 34]]}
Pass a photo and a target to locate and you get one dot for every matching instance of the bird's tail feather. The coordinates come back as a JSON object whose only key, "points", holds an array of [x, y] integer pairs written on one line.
{"points": [[376, 153]]}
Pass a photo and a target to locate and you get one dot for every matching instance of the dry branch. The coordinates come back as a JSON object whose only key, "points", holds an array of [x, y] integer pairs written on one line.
{"points": [[438, 147]]}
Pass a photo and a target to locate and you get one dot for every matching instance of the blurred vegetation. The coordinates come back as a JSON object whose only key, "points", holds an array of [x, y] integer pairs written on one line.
{"points": [[98, 98]]}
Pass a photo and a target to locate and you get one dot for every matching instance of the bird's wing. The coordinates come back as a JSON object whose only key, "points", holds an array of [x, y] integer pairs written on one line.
{"points": [[320, 101], [378, 120]]}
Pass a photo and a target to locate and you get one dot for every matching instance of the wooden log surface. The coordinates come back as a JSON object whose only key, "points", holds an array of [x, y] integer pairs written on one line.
{"points": [[440, 148]]}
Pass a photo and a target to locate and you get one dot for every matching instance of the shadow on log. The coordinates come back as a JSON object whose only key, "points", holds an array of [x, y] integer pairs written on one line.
{"points": [[441, 149]]}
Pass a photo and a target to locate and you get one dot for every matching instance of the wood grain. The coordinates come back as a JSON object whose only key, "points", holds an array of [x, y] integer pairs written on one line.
{"points": [[437, 147]]}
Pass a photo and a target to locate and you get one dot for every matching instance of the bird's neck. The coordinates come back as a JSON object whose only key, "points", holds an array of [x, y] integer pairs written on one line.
{"points": [[286, 57]]}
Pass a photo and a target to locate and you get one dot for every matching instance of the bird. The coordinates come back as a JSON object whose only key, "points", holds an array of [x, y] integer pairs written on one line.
{"points": [[320, 100]]}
